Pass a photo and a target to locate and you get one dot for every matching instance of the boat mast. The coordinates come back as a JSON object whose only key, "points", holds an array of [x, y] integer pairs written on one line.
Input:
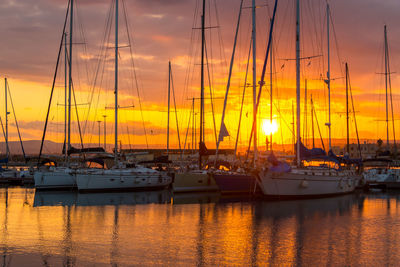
{"points": [[202, 124], [312, 122], [5, 87], [116, 85], [298, 81], [65, 95], [328, 77], [293, 129], [347, 109], [105, 133], [169, 94], [193, 128], [70, 77], [305, 114], [270, 85], [254, 78], [386, 88]]}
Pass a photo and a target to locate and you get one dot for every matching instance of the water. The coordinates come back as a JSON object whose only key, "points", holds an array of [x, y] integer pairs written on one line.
{"points": [[156, 228]]}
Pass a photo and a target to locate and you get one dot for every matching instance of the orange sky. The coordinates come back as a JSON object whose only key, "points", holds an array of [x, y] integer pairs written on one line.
{"points": [[162, 31]]}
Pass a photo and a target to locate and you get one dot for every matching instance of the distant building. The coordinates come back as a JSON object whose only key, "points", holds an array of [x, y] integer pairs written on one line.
{"points": [[368, 150]]}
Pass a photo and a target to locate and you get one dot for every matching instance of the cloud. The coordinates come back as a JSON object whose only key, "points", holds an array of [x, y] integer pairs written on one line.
{"points": [[162, 30]]}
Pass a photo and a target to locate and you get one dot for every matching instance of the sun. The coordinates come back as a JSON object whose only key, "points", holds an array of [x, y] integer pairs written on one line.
{"points": [[268, 127]]}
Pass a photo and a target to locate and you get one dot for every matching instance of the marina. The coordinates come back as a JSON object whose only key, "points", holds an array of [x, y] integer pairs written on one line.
{"points": [[199, 133]]}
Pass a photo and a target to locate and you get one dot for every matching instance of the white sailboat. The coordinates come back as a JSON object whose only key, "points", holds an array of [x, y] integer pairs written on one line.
{"points": [[386, 175], [61, 177], [120, 177], [282, 181]]}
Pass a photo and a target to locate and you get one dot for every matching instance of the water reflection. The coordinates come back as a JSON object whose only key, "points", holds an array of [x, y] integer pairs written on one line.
{"points": [[73, 198], [157, 228]]}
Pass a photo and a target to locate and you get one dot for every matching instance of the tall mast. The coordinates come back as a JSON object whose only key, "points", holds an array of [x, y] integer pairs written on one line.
{"points": [[70, 77], [312, 122], [347, 110], [193, 128], [65, 94], [254, 77], [116, 85], [202, 124], [298, 82], [305, 114], [328, 77], [270, 85], [5, 91], [105, 133], [169, 102], [386, 87], [293, 128]]}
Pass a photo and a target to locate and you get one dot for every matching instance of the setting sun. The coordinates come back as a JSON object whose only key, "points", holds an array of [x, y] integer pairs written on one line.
{"points": [[268, 127]]}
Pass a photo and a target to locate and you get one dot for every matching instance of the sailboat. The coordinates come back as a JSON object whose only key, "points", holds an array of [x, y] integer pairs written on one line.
{"points": [[121, 176], [197, 179], [61, 177], [238, 181], [12, 175], [283, 181], [380, 171]]}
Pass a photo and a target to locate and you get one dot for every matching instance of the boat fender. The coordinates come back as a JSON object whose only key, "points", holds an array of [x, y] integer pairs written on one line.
{"points": [[304, 184], [349, 182], [122, 179]]}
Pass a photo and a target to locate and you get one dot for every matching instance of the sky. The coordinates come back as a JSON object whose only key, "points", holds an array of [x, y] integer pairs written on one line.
{"points": [[162, 31]]}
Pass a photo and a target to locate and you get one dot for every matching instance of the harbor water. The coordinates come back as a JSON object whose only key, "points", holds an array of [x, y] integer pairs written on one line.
{"points": [[158, 228]]}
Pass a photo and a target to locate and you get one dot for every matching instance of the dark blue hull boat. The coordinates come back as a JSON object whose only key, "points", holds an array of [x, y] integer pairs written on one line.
{"points": [[236, 183]]}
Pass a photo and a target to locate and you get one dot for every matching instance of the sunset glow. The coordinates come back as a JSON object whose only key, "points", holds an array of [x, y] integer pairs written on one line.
{"points": [[268, 127]]}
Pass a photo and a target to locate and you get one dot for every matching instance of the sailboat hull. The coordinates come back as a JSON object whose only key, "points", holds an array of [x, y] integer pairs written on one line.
{"points": [[236, 183], [56, 179], [307, 183], [199, 181], [122, 180]]}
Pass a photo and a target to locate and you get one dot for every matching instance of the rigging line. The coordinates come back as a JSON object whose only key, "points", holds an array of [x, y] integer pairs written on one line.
{"points": [[243, 95], [134, 72], [229, 81], [76, 107], [211, 80], [354, 114], [262, 77], [176, 112], [391, 96], [211, 94], [190, 52], [54, 81], [221, 41], [16, 123], [336, 42], [4, 134], [84, 42], [281, 130], [101, 55], [102, 62], [77, 117], [129, 137], [189, 73], [187, 131], [319, 129]]}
